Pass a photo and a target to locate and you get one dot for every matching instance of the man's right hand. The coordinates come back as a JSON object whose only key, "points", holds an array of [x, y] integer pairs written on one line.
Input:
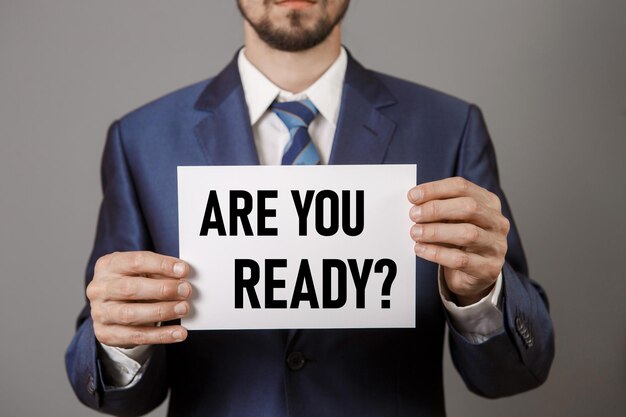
{"points": [[131, 292]]}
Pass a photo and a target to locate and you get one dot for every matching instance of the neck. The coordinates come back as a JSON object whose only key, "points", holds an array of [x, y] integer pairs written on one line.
{"points": [[292, 71]]}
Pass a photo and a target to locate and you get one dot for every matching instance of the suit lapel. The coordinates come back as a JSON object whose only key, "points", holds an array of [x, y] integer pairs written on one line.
{"points": [[363, 131], [225, 134]]}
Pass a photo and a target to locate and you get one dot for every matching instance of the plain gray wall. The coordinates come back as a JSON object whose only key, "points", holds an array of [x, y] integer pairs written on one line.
{"points": [[549, 75]]}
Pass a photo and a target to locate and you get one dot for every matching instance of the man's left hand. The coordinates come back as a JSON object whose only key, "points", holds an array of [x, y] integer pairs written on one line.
{"points": [[460, 226]]}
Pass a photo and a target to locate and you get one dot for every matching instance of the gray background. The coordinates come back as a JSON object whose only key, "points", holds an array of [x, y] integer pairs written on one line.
{"points": [[549, 75]]}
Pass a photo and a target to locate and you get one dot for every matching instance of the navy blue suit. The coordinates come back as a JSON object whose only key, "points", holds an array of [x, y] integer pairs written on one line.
{"points": [[377, 372]]}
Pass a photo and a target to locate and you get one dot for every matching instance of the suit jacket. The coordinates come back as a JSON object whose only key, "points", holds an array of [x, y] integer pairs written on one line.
{"points": [[377, 372]]}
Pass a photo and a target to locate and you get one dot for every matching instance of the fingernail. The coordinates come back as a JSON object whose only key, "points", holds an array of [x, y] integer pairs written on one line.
{"points": [[416, 212], [179, 268], [419, 248], [416, 194], [417, 231], [184, 289], [180, 309], [177, 335]]}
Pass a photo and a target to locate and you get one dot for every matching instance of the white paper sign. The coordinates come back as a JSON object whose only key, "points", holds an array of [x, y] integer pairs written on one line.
{"points": [[297, 247]]}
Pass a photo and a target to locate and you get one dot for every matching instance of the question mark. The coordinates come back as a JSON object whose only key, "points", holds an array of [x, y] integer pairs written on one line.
{"points": [[392, 269]]}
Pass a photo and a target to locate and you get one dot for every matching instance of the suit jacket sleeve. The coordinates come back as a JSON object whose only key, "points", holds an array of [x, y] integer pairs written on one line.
{"points": [[120, 228], [518, 358]]}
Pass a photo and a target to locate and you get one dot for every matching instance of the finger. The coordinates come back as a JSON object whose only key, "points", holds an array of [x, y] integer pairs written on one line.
{"points": [[146, 289], [457, 234], [461, 209], [133, 314], [147, 263], [131, 336], [447, 188], [473, 264]]}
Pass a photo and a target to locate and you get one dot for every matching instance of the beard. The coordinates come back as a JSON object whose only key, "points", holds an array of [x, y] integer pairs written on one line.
{"points": [[297, 37]]}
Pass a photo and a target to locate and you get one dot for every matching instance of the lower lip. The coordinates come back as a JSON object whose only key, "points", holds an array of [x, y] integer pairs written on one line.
{"points": [[295, 4]]}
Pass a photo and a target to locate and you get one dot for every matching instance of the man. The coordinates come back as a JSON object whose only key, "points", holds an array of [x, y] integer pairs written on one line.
{"points": [[469, 257]]}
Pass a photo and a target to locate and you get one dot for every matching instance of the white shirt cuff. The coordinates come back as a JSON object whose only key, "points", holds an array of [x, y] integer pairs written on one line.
{"points": [[124, 367], [476, 322]]}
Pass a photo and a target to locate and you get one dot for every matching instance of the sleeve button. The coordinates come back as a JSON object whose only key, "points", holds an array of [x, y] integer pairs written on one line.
{"points": [[91, 385]]}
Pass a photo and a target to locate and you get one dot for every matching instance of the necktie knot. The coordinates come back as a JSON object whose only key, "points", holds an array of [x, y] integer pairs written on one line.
{"points": [[296, 115]]}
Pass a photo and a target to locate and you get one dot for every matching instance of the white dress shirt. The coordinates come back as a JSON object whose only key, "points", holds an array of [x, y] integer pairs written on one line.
{"points": [[270, 133], [477, 322]]}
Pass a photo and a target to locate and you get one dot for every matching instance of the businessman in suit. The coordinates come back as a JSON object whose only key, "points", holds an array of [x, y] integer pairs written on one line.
{"points": [[130, 349]]}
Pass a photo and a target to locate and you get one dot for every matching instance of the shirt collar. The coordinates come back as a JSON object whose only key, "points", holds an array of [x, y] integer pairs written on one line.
{"points": [[325, 93]]}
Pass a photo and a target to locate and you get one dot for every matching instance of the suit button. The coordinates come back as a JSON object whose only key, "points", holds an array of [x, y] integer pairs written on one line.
{"points": [[296, 361], [91, 385]]}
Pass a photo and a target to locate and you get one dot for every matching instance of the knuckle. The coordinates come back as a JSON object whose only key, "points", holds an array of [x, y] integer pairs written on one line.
{"points": [[137, 260], [168, 291], [461, 260], [506, 225], [426, 191], [126, 314], [137, 338], [461, 184], [470, 206], [92, 291], [434, 209], [160, 313], [430, 233], [471, 234], [436, 253], [128, 288], [164, 337], [165, 266]]}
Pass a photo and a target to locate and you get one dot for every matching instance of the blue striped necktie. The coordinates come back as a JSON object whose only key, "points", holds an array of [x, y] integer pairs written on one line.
{"points": [[297, 115]]}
